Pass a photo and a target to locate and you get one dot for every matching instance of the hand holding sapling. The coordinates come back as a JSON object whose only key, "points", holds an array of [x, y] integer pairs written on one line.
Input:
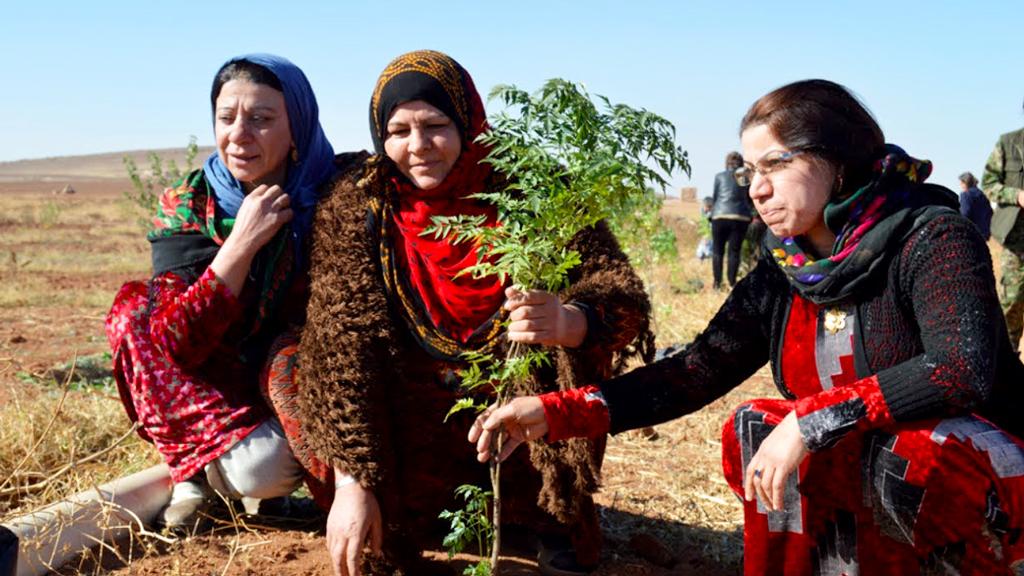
{"points": [[539, 317], [568, 166], [522, 420]]}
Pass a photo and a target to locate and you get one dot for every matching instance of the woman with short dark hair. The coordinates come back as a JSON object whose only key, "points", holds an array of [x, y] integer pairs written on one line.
{"points": [[895, 448]]}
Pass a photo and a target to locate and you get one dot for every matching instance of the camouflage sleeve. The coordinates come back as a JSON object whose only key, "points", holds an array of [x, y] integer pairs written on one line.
{"points": [[992, 180]]}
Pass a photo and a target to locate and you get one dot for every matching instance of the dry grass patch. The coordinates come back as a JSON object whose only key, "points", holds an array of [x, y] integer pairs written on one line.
{"points": [[61, 260], [41, 292], [671, 487], [57, 442], [78, 258]]}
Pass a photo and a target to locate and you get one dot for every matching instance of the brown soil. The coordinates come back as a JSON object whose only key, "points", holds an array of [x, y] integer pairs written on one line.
{"points": [[300, 553], [36, 338], [303, 553], [36, 341], [647, 483]]}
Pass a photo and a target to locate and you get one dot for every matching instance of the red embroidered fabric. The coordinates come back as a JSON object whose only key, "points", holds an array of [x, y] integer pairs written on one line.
{"points": [[885, 502], [192, 418], [834, 406], [280, 388], [798, 348], [875, 497], [189, 322], [577, 412]]}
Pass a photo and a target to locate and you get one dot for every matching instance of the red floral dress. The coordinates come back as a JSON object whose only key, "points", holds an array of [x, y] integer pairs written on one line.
{"points": [[199, 368], [190, 417]]}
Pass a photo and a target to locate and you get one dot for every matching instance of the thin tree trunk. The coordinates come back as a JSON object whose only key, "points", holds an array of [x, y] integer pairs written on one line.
{"points": [[504, 394], [496, 513]]}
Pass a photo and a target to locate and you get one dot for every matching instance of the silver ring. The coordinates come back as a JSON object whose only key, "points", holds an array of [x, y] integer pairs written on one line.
{"points": [[757, 473]]}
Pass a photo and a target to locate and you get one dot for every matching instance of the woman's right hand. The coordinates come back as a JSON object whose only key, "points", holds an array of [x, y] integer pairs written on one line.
{"points": [[263, 212], [354, 517], [522, 420]]}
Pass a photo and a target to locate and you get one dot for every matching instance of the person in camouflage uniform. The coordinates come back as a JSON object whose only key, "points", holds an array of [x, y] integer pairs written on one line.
{"points": [[1003, 183]]}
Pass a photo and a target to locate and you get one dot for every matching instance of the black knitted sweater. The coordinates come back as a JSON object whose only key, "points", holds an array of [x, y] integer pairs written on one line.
{"points": [[930, 328]]}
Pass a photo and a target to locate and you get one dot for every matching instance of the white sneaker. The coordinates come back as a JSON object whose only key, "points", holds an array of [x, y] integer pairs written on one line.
{"points": [[189, 500]]}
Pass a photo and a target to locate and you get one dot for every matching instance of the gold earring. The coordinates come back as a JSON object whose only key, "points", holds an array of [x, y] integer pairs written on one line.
{"points": [[295, 154]]}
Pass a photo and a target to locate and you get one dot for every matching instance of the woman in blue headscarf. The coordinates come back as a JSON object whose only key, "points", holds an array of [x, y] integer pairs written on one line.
{"points": [[203, 352]]}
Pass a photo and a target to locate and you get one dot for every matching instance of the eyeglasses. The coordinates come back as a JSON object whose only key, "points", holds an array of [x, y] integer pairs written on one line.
{"points": [[772, 162]]}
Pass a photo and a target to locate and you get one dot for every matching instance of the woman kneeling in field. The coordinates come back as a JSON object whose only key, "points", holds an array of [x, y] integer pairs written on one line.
{"points": [[390, 315], [202, 352], [896, 447]]}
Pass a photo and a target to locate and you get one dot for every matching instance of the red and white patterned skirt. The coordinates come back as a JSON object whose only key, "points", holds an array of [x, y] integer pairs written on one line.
{"points": [[926, 497]]}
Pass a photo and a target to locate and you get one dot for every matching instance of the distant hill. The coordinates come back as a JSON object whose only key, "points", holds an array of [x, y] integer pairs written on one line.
{"points": [[91, 166]]}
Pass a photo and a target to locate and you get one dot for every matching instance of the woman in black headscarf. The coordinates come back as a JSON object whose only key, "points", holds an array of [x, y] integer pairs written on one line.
{"points": [[390, 316]]}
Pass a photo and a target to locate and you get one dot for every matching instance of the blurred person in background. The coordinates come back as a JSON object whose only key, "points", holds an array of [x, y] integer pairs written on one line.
{"points": [[703, 251], [730, 216], [1003, 183], [974, 205]]}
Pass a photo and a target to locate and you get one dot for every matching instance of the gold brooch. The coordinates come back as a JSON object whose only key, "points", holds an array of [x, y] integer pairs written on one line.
{"points": [[835, 320]]}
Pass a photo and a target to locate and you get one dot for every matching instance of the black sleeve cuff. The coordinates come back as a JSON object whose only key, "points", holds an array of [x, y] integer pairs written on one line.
{"points": [[909, 394], [597, 324]]}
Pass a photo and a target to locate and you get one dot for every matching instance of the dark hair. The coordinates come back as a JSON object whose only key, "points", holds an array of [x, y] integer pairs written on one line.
{"points": [[243, 70], [825, 119], [733, 160], [969, 179]]}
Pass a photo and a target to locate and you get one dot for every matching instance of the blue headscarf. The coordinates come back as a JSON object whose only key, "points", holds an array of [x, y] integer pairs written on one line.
{"points": [[316, 156]]}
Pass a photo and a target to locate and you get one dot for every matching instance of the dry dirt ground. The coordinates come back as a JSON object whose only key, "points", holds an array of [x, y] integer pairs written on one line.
{"points": [[62, 258], [47, 319]]}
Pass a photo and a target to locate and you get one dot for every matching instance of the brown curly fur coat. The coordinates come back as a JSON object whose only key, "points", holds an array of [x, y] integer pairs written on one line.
{"points": [[373, 402]]}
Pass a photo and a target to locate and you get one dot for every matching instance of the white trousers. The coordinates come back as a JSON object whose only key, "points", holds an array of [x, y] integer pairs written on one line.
{"points": [[261, 465]]}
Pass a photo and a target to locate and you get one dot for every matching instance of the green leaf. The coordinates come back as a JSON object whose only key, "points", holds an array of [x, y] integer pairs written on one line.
{"points": [[571, 160], [462, 404]]}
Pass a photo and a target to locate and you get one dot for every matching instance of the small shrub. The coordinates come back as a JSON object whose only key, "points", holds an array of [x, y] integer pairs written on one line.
{"points": [[571, 163], [144, 195], [49, 214]]}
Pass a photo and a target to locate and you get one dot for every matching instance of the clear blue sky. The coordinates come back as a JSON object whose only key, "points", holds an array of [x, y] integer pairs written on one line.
{"points": [[944, 78]]}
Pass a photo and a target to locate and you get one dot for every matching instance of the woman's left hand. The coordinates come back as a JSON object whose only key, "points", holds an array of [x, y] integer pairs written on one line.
{"points": [[778, 456], [522, 420], [538, 317]]}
